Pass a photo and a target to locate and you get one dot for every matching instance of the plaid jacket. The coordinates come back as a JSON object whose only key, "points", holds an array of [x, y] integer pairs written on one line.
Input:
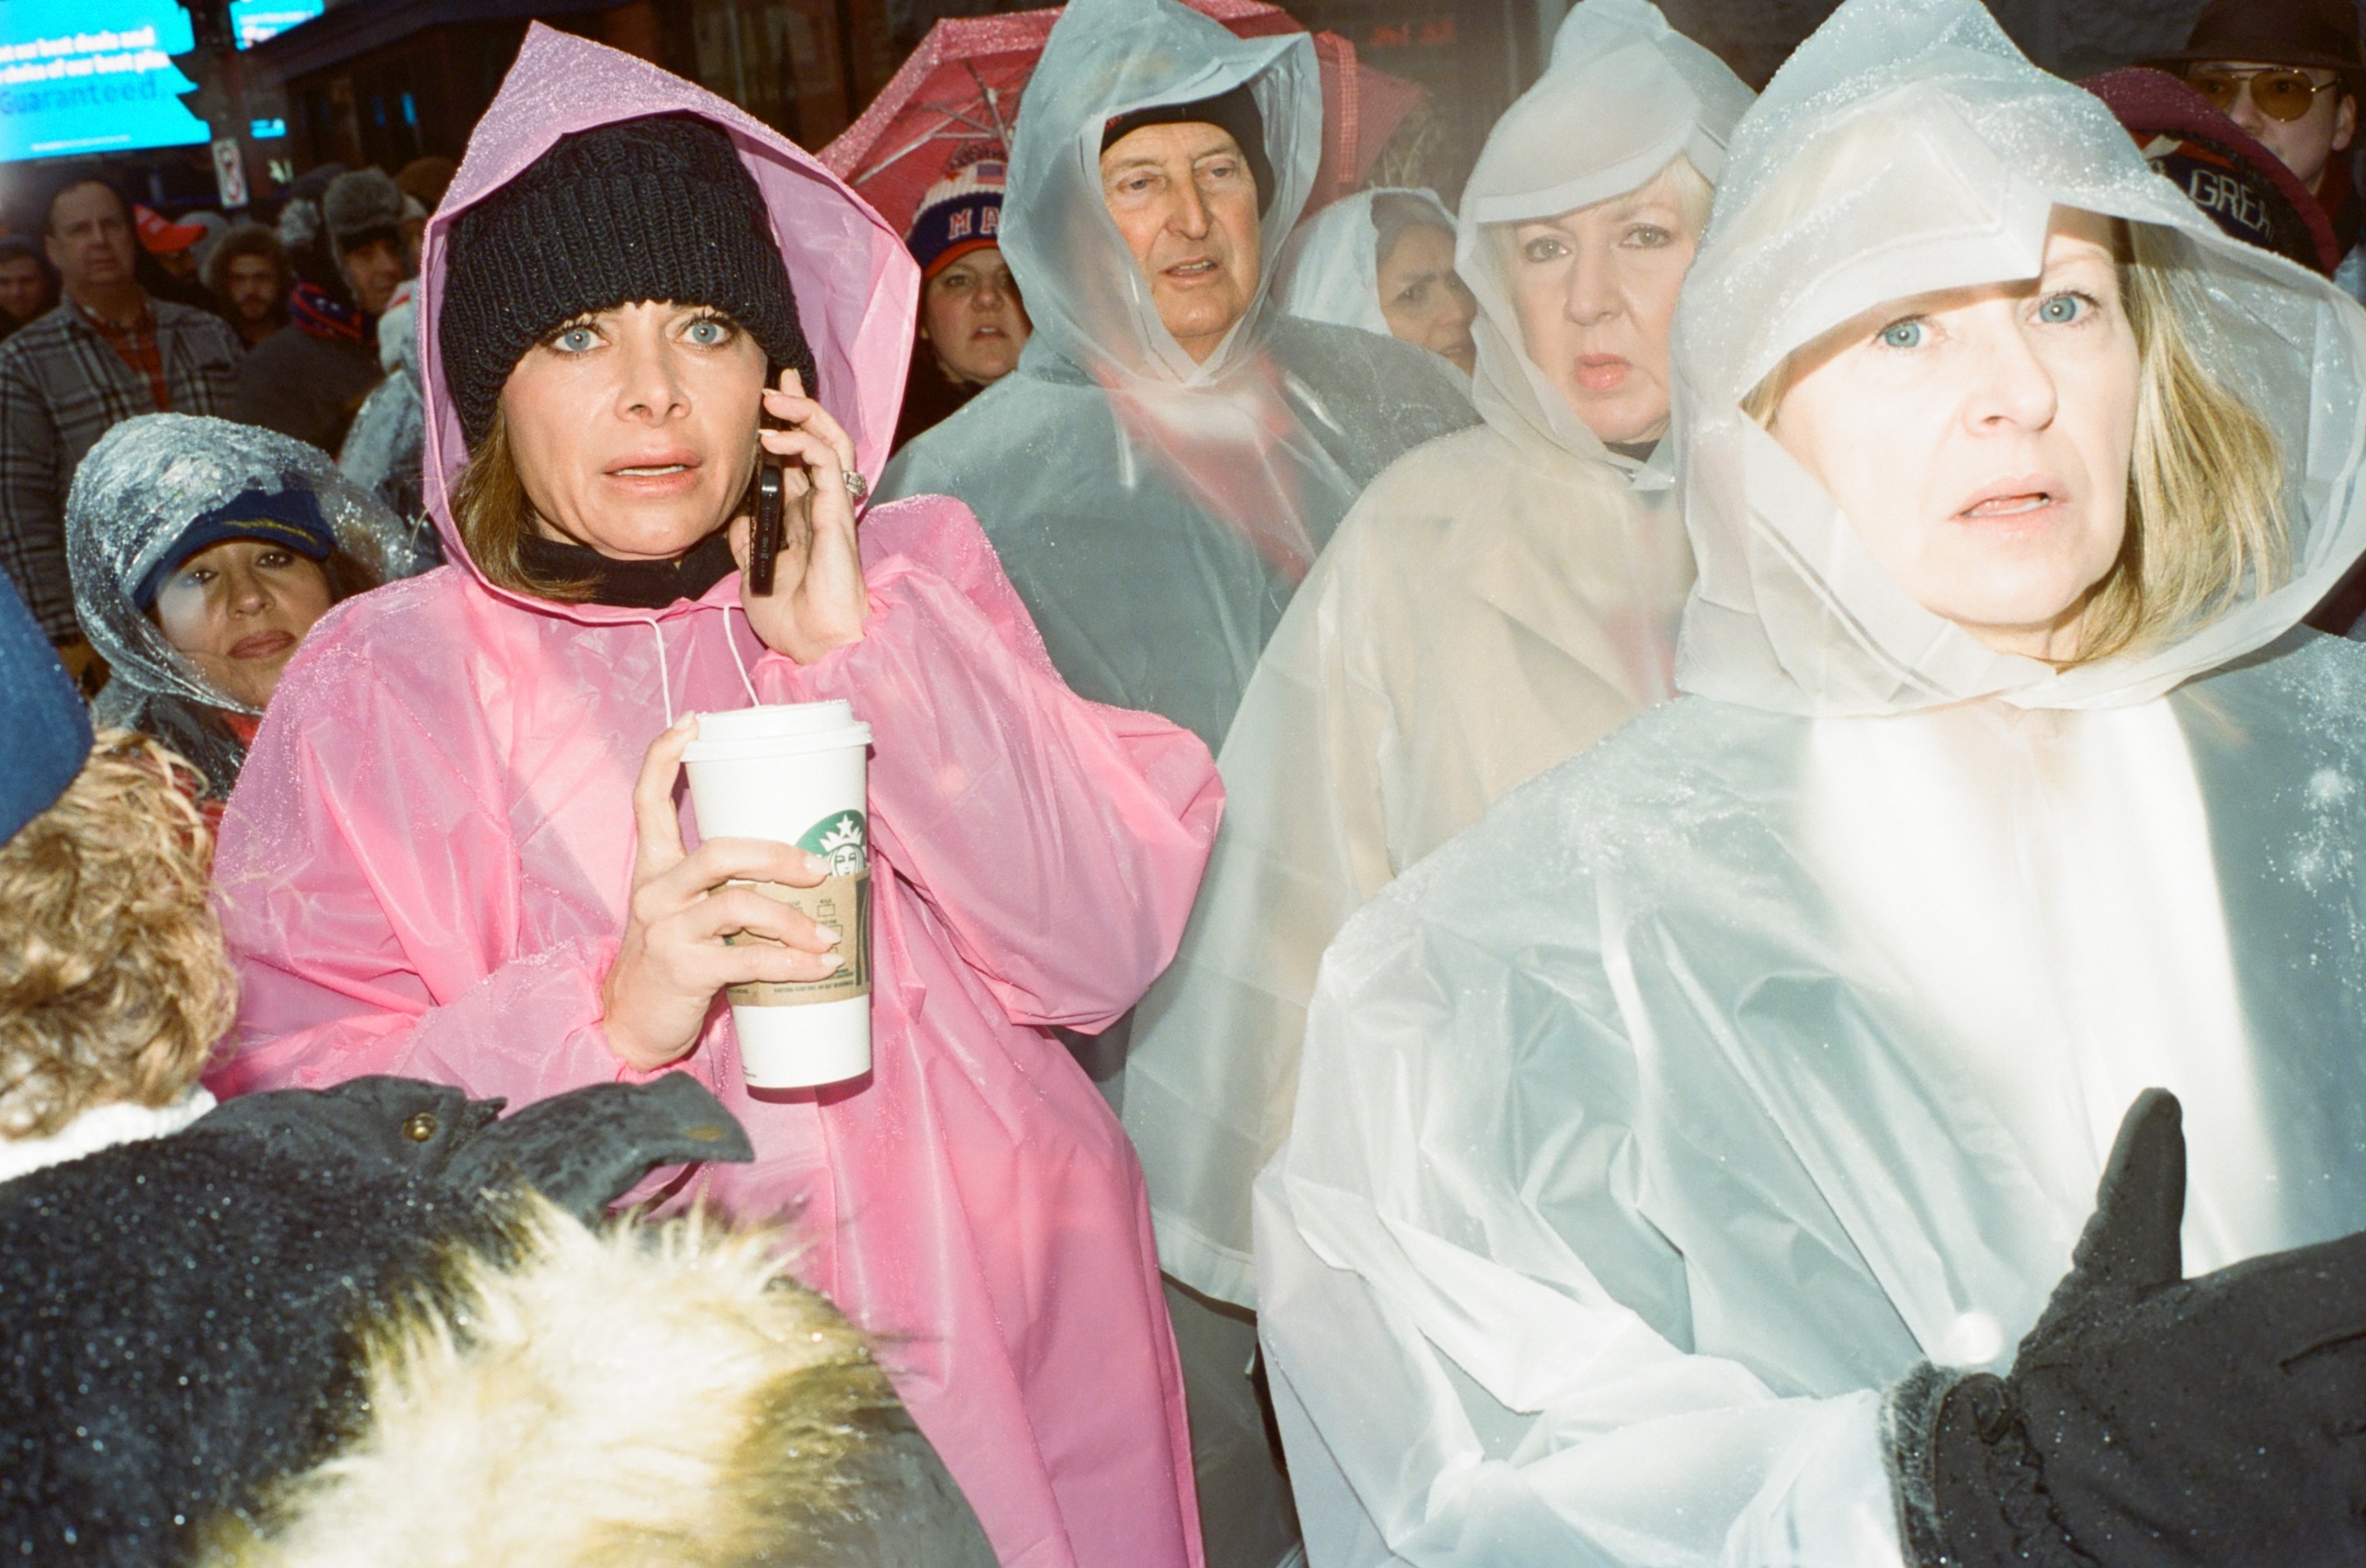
{"points": [[61, 388]]}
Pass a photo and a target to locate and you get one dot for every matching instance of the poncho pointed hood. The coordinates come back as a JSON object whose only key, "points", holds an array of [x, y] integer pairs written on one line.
{"points": [[1085, 291], [856, 288], [1907, 147], [1624, 95]]}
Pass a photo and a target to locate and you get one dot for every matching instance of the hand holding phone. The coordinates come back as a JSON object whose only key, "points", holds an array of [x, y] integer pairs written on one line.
{"points": [[801, 580]]}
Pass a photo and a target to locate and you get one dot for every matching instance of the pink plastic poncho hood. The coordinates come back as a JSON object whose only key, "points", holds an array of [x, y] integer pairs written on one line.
{"points": [[861, 336], [426, 868]]}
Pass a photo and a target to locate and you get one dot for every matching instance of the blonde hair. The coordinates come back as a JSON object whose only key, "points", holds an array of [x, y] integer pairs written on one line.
{"points": [[114, 980], [2205, 481], [1695, 195], [2205, 512]]}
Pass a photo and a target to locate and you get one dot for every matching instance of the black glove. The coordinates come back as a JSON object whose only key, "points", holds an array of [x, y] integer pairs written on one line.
{"points": [[2151, 1419], [582, 1150]]}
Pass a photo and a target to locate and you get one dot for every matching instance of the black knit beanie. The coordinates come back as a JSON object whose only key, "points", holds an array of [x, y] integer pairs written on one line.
{"points": [[656, 209], [1234, 112]]}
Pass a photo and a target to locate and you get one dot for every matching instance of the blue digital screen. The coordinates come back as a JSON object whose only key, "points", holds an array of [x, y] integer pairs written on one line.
{"points": [[266, 129], [93, 77], [254, 20]]}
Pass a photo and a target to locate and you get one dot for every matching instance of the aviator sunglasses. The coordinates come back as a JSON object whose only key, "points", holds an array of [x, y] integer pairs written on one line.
{"points": [[2282, 92]]}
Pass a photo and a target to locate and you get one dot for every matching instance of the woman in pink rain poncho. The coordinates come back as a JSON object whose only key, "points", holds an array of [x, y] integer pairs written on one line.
{"points": [[433, 867]]}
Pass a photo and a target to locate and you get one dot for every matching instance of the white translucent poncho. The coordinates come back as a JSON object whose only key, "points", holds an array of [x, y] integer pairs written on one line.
{"points": [[1648, 1131], [1156, 514], [1330, 270], [133, 496], [1498, 600], [384, 449]]}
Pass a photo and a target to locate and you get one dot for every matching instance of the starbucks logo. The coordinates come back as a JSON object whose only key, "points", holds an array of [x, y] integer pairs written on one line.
{"points": [[843, 841]]}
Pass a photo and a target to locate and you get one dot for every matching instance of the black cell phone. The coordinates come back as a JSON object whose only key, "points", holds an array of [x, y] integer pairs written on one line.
{"points": [[770, 531], [765, 538]]}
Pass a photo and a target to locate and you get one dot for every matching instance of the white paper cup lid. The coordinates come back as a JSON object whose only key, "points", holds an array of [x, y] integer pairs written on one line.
{"points": [[774, 728]]}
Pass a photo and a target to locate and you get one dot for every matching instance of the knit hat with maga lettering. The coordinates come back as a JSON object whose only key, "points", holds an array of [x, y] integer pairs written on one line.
{"points": [[644, 209]]}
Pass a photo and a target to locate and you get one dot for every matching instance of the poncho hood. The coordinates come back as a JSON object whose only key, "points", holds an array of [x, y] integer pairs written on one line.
{"points": [[141, 487], [1908, 147], [856, 288], [1624, 95], [1085, 291]]}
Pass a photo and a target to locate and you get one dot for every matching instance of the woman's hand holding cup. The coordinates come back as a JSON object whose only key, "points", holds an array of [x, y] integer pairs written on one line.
{"points": [[682, 908], [818, 602]]}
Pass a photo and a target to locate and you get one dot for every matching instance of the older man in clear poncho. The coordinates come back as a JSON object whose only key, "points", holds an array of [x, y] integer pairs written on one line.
{"points": [[1171, 453], [1496, 603], [1680, 1153]]}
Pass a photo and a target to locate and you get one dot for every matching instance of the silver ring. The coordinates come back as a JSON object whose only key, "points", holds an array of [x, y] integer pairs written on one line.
{"points": [[856, 485]]}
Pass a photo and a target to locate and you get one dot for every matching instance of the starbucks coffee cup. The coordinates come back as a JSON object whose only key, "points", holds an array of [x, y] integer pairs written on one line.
{"points": [[795, 772]]}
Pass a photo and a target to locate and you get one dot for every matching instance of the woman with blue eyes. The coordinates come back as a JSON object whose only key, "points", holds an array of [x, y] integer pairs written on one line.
{"points": [[1746, 1144], [460, 849]]}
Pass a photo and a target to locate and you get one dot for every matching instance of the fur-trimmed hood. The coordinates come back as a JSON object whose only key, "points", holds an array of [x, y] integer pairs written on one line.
{"points": [[649, 1394]]}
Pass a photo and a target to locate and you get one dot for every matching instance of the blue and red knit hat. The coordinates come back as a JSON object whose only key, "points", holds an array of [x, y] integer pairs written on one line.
{"points": [[959, 214]]}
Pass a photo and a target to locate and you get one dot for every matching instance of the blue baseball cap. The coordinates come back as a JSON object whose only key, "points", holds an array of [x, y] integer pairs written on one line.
{"points": [[290, 517]]}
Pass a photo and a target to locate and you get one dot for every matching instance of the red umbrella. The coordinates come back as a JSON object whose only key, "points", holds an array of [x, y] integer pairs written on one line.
{"points": [[957, 97]]}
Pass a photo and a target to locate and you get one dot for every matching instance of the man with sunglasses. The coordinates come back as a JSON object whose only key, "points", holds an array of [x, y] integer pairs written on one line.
{"points": [[2288, 72]]}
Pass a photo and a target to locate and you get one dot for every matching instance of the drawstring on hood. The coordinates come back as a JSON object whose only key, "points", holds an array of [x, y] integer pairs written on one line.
{"points": [[665, 669]]}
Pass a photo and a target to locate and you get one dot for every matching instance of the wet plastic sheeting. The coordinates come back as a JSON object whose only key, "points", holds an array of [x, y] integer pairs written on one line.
{"points": [[1650, 1129], [145, 481], [1496, 602], [385, 452], [1154, 514]]}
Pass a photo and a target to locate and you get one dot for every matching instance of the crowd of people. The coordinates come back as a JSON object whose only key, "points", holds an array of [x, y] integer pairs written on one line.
{"points": [[1661, 865]]}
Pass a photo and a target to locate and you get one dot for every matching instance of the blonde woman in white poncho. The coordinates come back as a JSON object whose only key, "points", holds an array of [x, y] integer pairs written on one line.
{"points": [[1739, 1147]]}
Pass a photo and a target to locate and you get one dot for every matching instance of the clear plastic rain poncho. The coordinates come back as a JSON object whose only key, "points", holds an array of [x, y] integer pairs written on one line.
{"points": [[1647, 1132], [1330, 270], [138, 490], [1497, 602], [1155, 514], [386, 448]]}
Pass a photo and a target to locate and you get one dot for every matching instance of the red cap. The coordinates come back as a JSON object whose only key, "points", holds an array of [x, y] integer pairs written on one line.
{"points": [[160, 236]]}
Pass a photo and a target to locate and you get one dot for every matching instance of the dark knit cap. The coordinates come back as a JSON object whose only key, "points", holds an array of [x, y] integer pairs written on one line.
{"points": [[656, 209], [1236, 112]]}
